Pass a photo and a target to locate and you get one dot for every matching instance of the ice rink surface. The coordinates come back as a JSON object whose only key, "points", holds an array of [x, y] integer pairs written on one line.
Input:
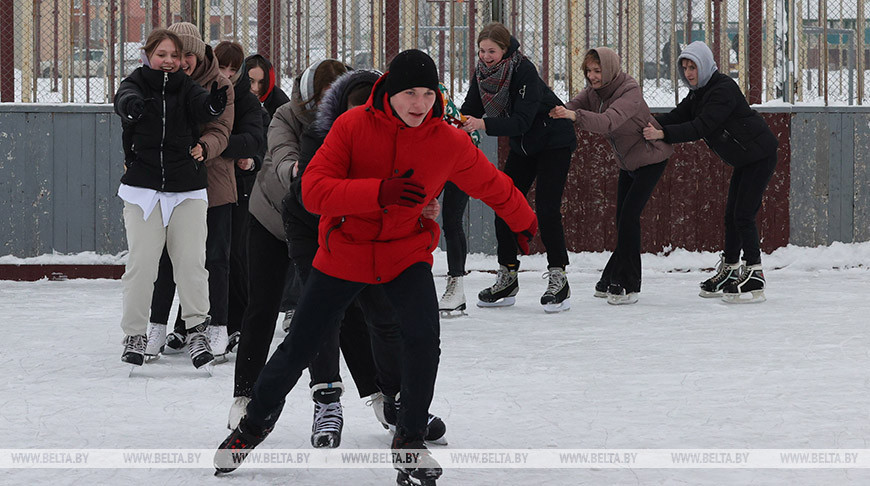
{"points": [[672, 371]]}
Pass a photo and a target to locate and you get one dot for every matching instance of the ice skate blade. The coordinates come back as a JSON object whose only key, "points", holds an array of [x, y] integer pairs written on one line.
{"points": [[503, 302], [442, 441], [220, 359], [753, 297], [556, 308], [171, 350], [452, 314], [600, 294], [710, 295], [622, 299], [149, 358]]}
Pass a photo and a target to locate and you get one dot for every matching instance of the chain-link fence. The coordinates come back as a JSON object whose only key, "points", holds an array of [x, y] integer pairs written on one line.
{"points": [[793, 51]]}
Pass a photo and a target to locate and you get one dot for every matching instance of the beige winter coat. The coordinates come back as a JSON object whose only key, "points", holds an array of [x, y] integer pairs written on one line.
{"points": [[273, 180], [617, 111], [216, 135]]}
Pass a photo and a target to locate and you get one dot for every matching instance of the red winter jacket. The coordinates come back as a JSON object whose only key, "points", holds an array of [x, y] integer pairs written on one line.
{"points": [[359, 240]]}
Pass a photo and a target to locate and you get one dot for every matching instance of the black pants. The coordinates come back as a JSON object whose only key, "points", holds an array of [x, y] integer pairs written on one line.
{"points": [[550, 170], [292, 289], [267, 267], [452, 211], [744, 200], [321, 307], [217, 262], [238, 281], [633, 191]]}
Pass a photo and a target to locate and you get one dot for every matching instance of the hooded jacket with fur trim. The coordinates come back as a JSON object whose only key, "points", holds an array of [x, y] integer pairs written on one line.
{"points": [[361, 241]]}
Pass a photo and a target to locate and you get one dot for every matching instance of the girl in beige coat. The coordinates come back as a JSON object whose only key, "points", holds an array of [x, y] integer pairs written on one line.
{"points": [[612, 105]]}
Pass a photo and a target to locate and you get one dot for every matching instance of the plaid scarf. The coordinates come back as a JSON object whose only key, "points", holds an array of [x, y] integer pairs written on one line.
{"points": [[491, 80]]}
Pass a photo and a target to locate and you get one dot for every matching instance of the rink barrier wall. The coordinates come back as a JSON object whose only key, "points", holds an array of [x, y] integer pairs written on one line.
{"points": [[61, 165]]}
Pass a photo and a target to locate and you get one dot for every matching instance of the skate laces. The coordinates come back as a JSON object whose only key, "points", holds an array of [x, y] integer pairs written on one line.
{"points": [[327, 417], [135, 343], [157, 334], [557, 280], [450, 291], [503, 278], [197, 343]]}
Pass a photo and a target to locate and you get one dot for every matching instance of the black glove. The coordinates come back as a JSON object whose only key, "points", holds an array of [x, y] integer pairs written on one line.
{"points": [[135, 108], [217, 99], [402, 191]]}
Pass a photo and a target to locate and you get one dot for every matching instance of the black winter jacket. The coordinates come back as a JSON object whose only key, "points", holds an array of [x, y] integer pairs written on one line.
{"points": [[248, 138], [719, 113], [157, 146], [529, 126]]}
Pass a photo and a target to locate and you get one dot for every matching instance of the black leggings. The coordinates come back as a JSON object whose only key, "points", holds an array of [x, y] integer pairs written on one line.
{"points": [[633, 191], [452, 211], [549, 170], [744, 200]]}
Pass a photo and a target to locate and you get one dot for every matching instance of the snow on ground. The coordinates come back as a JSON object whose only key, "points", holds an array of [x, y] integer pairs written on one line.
{"points": [[673, 371]]}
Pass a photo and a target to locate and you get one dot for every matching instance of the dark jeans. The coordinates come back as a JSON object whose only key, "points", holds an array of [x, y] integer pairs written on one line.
{"points": [[217, 262], [238, 282], [452, 211], [267, 267], [321, 307], [633, 191], [744, 200], [550, 169]]}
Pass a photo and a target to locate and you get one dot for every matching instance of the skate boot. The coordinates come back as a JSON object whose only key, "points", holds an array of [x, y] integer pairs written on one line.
{"points": [[198, 346], [436, 429], [175, 342], [156, 341], [134, 349], [503, 292], [726, 274], [376, 401], [601, 289], [617, 295], [453, 299], [414, 462], [748, 289], [288, 318], [557, 297], [233, 341], [238, 410], [328, 421], [218, 341], [235, 448]]}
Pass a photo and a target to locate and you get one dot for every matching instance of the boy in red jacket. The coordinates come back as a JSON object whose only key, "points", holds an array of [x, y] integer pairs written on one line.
{"points": [[379, 165]]}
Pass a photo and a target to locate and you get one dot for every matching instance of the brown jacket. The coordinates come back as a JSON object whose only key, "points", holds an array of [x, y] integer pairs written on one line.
{"points": [[216, 135], [273, 180], [617, 111]]}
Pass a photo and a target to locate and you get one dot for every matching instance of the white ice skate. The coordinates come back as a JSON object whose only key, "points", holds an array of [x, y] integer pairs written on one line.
{"points": [[616, 295], [219, 342], [238, 410], [452, 303], [156, 341]]}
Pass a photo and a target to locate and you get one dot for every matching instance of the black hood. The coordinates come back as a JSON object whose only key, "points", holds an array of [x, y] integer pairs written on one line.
{"points": [[334, 101], [514, 47]]}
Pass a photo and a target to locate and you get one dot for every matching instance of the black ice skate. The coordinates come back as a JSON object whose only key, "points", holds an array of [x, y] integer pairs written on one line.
{"points": [[175, 342], [414, 462], [235, 448], [503, 292], [726, 274], [601, 289], [134, 349], [617, 295], [436, 429], [557, 297], [198, 345], [749, 289], [328, 421], [452, 303]]}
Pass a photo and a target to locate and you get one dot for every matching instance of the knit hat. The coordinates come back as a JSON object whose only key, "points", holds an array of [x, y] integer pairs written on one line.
{"points": [[190, 38], [411, 69]]}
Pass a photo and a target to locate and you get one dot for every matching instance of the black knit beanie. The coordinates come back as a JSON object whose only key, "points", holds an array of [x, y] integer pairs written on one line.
{"points": [[411, 69]]}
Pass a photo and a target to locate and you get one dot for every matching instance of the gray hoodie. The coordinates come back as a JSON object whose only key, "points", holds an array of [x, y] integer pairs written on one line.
{"points": [[702, 56]]}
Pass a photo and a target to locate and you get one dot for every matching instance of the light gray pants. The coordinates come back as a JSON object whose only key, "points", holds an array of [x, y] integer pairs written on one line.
{"points": [[184, 238]]}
